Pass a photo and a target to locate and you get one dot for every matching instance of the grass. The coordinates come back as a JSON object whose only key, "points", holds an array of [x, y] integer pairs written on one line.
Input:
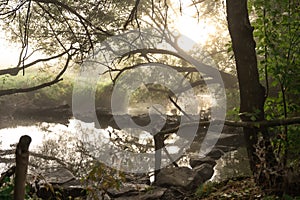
{"points": [[57, 94]]}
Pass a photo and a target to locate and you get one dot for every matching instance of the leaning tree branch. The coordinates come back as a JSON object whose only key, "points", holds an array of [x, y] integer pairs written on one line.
{"points": [[249, 124], [120, 71], [178, 90], [146, 51], [202, 81], [43, 85], [14, 71]]}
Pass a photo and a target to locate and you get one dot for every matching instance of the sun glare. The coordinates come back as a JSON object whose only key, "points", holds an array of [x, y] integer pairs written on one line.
{"points": [[8, 53], [187, 24], [199, 32]]}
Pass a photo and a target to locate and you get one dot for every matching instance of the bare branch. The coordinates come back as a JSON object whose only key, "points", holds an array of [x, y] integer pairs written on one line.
{"points": [[38, 155], [133, 14], [11, 11], [46, 157], [26, 35], [179, 108], [84, 22], [224, 75]]}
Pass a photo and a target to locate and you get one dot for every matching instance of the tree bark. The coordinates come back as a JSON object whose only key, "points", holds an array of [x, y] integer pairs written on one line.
{"points": [[22, 156], [252, 93]]}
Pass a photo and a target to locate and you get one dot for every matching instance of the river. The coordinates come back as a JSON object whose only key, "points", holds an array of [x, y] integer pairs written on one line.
{"points": [[65, 138]]}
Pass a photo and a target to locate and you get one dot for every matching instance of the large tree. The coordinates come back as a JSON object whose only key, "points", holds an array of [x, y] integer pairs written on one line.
{"points": [[279, 62], [70, 30]]}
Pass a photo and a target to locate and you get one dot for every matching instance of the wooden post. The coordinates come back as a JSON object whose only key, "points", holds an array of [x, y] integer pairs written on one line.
{"points": [[22, 157]]}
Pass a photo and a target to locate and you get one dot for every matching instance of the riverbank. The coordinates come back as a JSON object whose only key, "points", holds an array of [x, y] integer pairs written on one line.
{"points": [[232, 188]]}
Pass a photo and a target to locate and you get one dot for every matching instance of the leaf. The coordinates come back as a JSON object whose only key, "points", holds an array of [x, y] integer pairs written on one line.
{"points": [[253, 118]]}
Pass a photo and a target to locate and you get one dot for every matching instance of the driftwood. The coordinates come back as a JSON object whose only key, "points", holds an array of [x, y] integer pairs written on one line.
{"points": [[22, 156]]}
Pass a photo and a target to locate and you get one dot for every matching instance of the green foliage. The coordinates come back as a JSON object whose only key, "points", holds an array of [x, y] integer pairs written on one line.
{"points": [[102, 179], [57, 94], [253, 116], [57, 25], [278, 43], [233, 114], [278, 47], [6, 191], [233, 102]]}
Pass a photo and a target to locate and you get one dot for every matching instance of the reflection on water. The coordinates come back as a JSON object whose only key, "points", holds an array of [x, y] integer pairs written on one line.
{"points": [[41, 134], [232, 164], [38, 133], [70, 143]]}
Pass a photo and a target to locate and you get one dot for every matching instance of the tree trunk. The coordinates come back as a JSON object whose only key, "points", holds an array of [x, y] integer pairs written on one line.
{"points": [[252, 93]]}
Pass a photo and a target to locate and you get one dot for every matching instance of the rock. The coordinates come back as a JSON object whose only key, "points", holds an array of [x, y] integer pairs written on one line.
{"points": [[194, 162], [72, 189], [205, 171], [58, 176], [182, 177], [137, 178], [215, 154], [176, 194], [127, 189], [62, 181], [151, 194]]}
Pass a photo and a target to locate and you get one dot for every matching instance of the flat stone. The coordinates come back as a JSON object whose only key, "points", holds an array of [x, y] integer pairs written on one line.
{"points": [[182, 177], [151, 194], [58, 176], [205, 171], [73, 189], [62, 180], [194, 162], [127, 189]]}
